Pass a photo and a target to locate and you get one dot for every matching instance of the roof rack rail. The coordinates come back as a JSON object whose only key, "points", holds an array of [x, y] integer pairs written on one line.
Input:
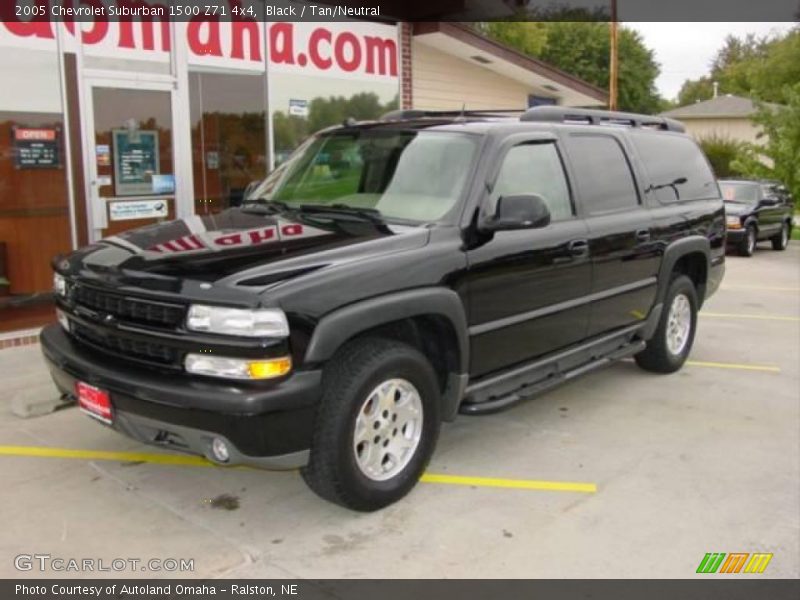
{"points": [[566, 114], [416, 113]]}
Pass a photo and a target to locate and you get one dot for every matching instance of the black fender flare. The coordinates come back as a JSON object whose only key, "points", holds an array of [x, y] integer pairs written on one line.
{"points": [[342, 324], [674, 252], [751, 220]]}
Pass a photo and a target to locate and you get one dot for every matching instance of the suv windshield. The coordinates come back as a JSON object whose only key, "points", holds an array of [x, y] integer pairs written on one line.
{"points": [[744, 192], [408, 175]]}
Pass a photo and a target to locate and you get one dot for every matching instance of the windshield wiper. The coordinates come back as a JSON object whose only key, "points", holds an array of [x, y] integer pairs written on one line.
{"points": [[262, 206], [369, 214]]}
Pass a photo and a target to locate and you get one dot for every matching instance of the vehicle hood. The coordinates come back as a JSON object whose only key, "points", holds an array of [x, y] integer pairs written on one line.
{"points": [[736, 209], [242, 247]]}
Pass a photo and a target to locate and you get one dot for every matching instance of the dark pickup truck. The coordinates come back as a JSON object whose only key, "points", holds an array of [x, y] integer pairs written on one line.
{"points": [[757, 210], [387, 277]]}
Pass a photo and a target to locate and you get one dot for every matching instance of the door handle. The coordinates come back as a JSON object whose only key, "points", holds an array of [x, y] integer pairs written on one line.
{"points": [[643, 235], [578, 247]]}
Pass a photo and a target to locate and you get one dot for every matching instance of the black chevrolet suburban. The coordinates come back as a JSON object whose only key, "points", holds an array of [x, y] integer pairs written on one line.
{"points": [[387, 277]]}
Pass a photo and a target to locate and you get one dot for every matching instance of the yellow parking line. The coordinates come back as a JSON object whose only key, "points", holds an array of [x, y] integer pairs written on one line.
{"points": [[718, 365], [735, 316], [197, 461], [766, 288], [161, 459], [518, 484]]}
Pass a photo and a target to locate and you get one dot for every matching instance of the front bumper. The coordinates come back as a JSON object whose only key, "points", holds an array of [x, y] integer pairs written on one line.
{"points": [[266, 425], [734, 236]]}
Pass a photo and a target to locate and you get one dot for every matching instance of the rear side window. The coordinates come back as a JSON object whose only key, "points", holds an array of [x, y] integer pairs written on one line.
{"points": [[677, 169], [604, 175]]}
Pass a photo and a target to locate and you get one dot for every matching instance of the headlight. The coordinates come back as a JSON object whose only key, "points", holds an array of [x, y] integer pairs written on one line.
{"points": [[259, 322], [733, 222], [59, 285], [237, 368]]}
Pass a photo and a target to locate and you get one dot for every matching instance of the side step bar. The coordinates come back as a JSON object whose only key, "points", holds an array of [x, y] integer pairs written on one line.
{"points": [[545, 375]]}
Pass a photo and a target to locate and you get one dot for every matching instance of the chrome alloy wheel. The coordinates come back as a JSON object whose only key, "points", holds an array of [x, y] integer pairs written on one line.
{"points": [[388, 429], [751, 240], [784, 235], [679, 324]]}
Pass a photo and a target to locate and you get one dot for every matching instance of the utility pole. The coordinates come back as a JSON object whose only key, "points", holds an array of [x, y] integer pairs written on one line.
{"points": [[613, 70]]}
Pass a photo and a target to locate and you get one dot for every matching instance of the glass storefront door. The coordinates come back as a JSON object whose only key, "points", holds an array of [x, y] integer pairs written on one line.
{"points": [[130, 153]]}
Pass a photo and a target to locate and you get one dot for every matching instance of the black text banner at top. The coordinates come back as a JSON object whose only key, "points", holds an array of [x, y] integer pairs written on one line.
{"points": [[78, 11]]}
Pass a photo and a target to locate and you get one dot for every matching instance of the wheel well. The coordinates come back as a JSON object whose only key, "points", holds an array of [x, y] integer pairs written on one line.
{"points": [[433, 335], [695, 266]]}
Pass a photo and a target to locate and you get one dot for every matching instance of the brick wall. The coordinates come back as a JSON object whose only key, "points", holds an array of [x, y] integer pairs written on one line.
{"points": [[406, 38]]}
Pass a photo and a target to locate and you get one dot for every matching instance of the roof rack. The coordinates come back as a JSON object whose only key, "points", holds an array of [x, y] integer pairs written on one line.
{"points": [[416, 113], [565, 114]]}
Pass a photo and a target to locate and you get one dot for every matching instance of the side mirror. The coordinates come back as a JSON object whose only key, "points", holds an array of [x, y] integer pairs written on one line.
{"points": [[528, 211]]}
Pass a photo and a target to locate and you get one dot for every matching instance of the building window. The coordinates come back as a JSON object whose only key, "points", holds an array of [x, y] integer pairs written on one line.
{"points": [[229, 137], [34, 202], [534, 100]]}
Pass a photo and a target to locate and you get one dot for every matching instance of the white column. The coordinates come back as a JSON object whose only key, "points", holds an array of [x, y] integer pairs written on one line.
{"points": [[181, 123]]}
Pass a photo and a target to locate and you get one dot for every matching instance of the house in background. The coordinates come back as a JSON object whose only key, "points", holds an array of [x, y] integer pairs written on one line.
{"points": [[725, 117], [452, 66]]}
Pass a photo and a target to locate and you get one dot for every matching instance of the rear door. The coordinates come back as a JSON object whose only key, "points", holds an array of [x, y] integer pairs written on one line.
{"points": [[527, 288], [624, 259]]}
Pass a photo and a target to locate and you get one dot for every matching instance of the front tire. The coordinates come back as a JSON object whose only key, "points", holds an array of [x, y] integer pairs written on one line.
{"points": [[672, 341], [748, 244], [376, 426], [780, 241]]}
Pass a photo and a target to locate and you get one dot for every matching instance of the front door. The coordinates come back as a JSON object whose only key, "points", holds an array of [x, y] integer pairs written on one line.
{"points": [[527, 288], [130, 154]]}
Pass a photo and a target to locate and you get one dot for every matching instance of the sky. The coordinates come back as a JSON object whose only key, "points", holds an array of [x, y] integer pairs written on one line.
{"points": [[685, 50]]}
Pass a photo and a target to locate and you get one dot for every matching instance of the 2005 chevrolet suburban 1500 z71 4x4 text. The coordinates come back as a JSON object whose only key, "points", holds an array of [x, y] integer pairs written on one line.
{"points": [[388, 276]]}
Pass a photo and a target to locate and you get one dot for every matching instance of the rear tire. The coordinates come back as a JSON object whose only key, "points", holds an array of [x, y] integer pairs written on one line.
{"points": [[748, 244], [376, 426], [672, 341], [780, 241]]}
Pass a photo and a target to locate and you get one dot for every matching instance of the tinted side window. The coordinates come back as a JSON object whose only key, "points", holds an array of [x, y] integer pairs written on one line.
{"points": [[535, 169], [604, 175], [677, 169]]}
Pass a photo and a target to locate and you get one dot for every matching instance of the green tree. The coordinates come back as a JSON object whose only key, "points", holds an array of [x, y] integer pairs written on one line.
{"points": [[777, 158], [751, 66], [582, 48], [529, 37]]}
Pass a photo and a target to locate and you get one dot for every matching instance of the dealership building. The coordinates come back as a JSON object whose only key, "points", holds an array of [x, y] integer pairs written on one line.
{"points": [[108, 125]]}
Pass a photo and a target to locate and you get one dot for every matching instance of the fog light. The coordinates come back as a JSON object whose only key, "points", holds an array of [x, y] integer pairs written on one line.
{"points": [[219, 449], [237, 368]]}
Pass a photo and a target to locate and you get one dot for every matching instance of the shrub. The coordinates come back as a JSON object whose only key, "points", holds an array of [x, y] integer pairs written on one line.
{"points": [[721, 153]]}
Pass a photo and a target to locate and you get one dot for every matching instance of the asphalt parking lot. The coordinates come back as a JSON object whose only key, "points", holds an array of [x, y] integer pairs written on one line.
{"points": [[619, 474]]}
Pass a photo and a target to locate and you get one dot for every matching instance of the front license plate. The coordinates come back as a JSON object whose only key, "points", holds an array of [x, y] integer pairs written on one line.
{"points": [[94, 402]]}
